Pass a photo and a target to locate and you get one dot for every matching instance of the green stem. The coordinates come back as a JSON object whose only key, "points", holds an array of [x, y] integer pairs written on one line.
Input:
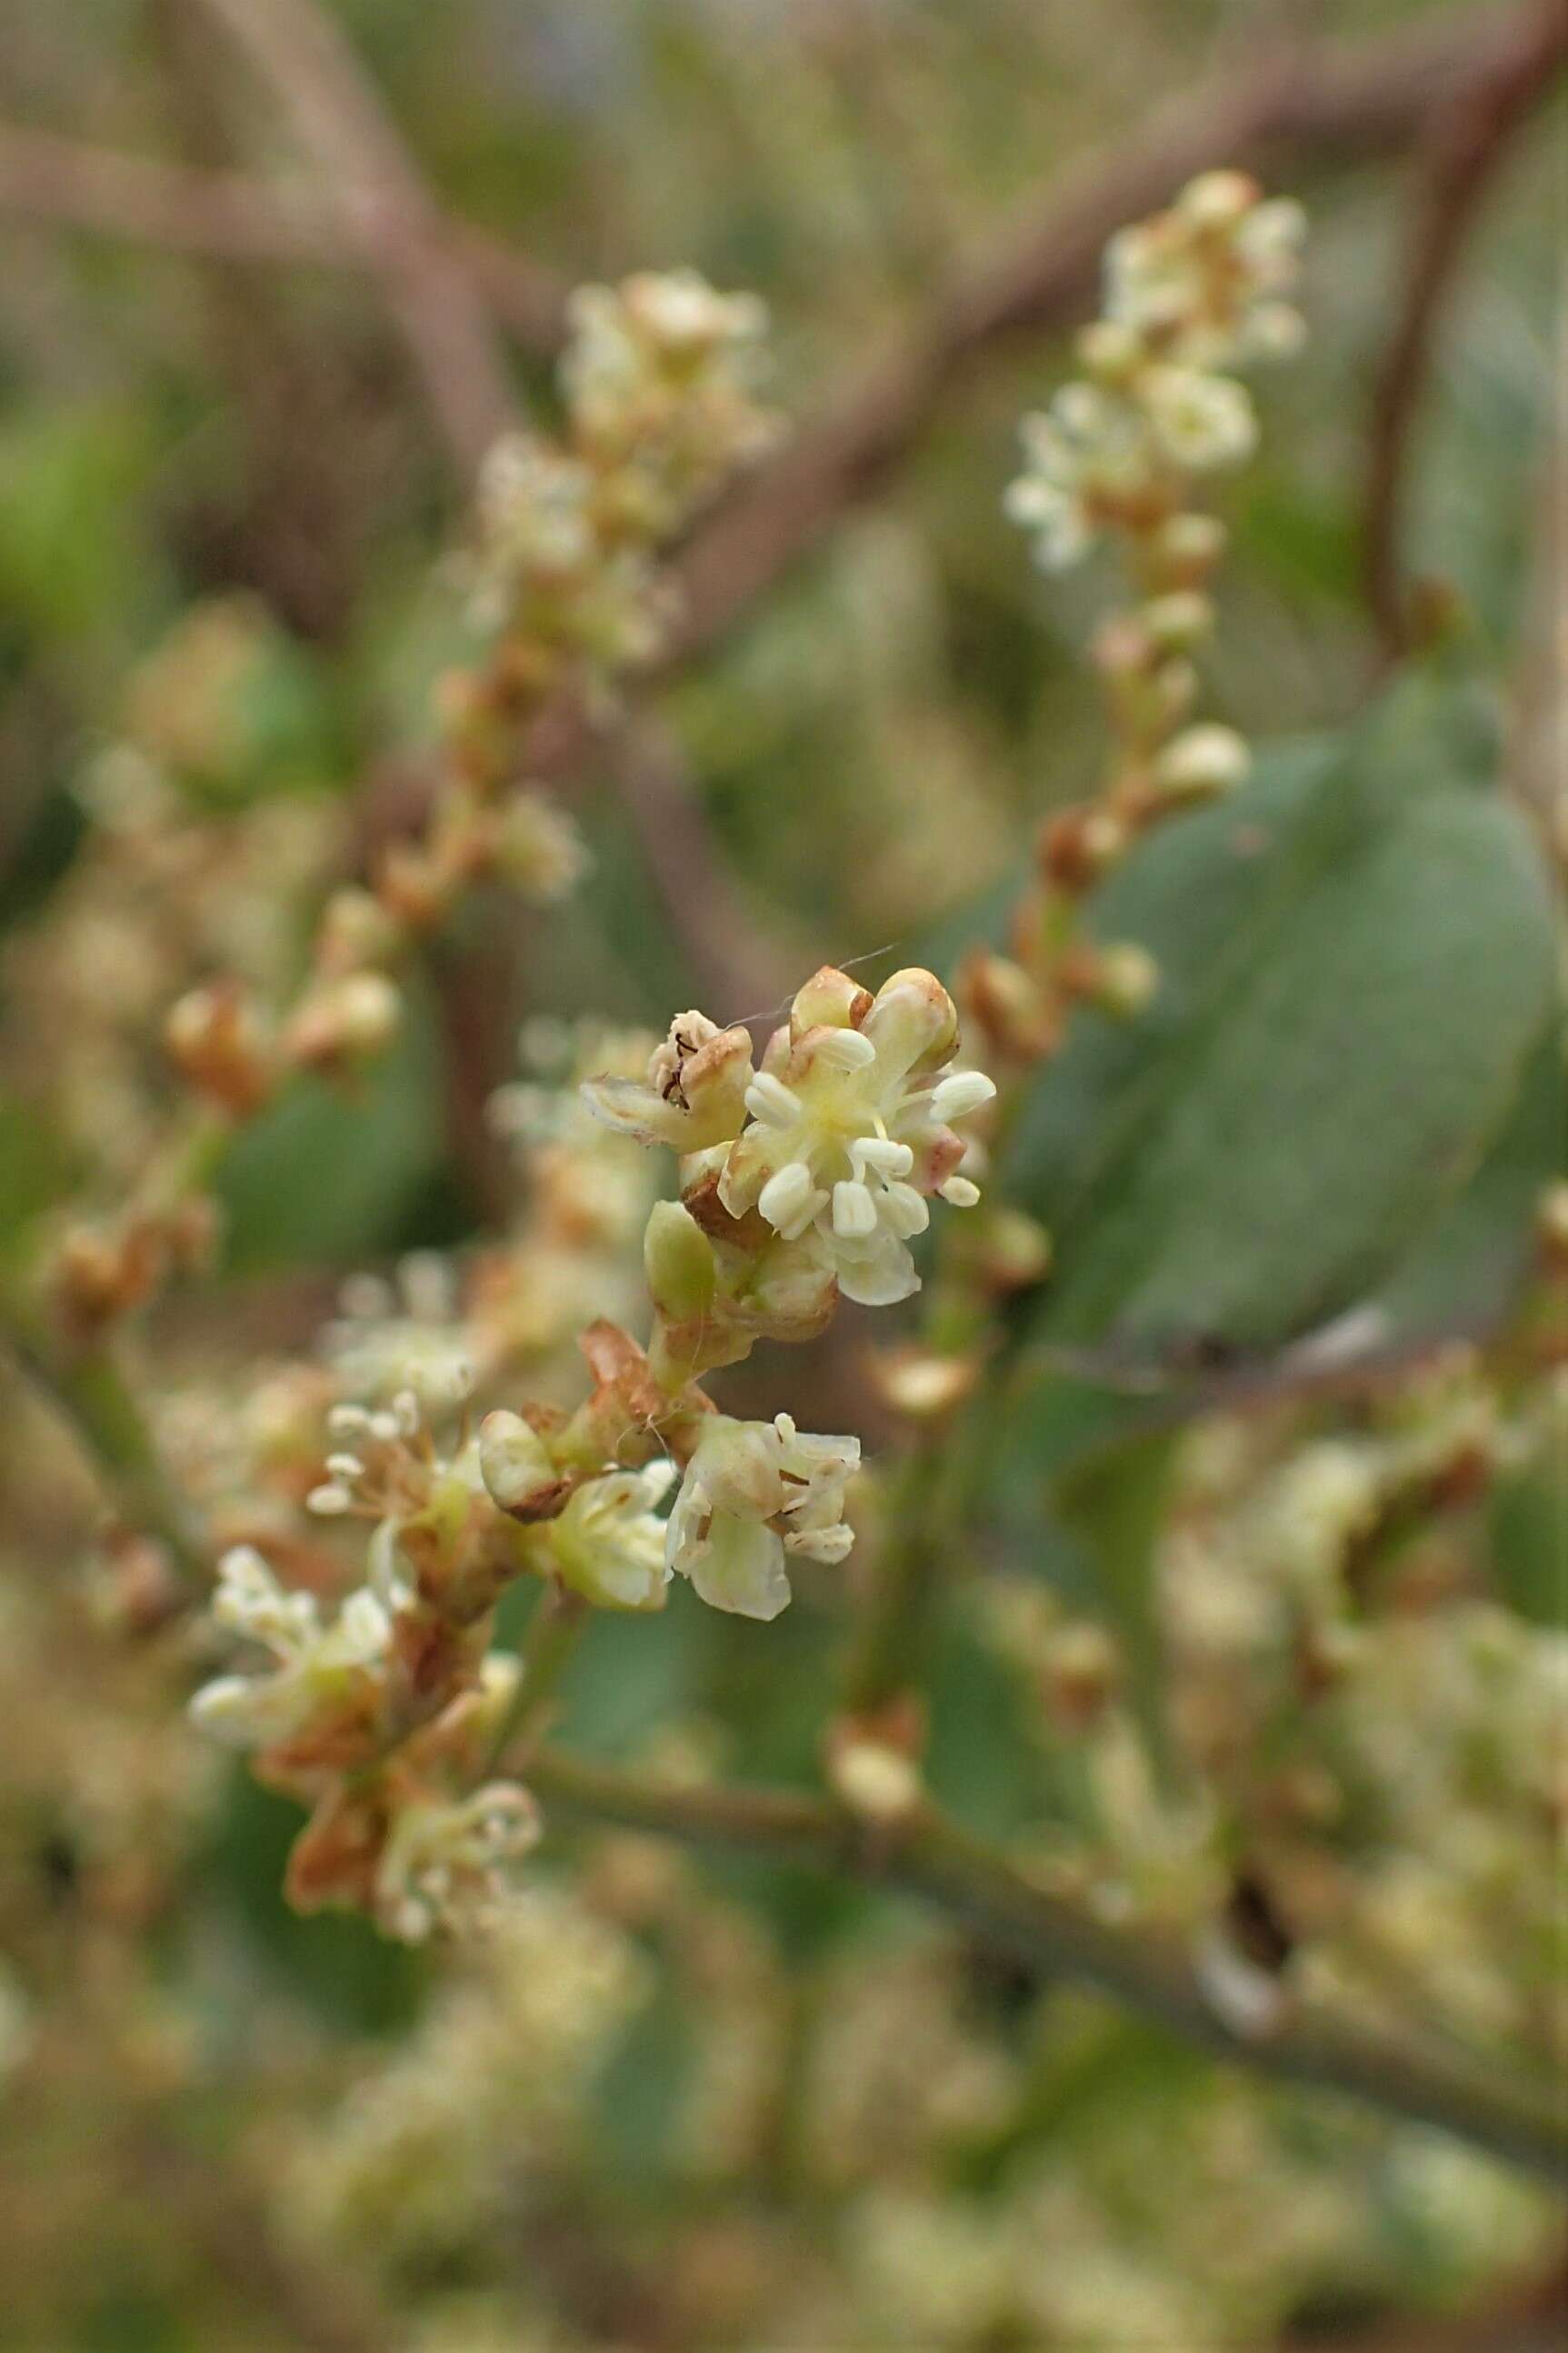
{"points": [[554, 1631], [928, 1855], [90, 1389]]}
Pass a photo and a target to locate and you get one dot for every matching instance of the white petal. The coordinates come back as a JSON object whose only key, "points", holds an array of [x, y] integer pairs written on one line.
{"points": [[830, 1544], [741, 1569], [879, 1275]]}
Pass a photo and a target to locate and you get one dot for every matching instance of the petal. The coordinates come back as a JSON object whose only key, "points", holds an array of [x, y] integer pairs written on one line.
{"points": [[878, 1273], [741, 1569]]}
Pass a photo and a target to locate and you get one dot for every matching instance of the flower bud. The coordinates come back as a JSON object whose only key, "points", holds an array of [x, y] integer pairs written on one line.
{"points": [[1179, 620], [1119, 979], [343, 1021], [355, 933], [515, 1464], [214, 1037], [679, 1259], [1188, 547], [1202, 763]]}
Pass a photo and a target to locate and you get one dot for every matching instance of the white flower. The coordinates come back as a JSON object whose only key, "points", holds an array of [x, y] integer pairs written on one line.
{"points": [[753, 1492], [851, 1126], [1200, 421], [1084, 454], [317, 1670], [694, 1094], [452, 1865], [608, 1541], [1202, 762]]}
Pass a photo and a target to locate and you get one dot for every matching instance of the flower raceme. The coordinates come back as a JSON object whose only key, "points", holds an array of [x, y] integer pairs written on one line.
{"points": [[843, 1135]]}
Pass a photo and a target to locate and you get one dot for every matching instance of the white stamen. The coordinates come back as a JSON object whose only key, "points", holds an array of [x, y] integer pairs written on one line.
{"points": [[854, 1211], [961, 1093], [789, 1200], [876, 1152], [769, 1100], [329, 1501], [961, 1192], [845, 1049], [904, 1210]]}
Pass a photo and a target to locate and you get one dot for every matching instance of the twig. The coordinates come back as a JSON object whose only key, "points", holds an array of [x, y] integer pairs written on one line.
{"points": [[928, 1855], [239, 218], [91, 1391], [1292, 110], [1467, 145], [549, 1645], [733, 964], [386, 209]]}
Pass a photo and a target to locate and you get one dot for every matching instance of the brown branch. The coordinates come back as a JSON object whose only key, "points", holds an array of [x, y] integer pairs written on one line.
{"points": [[236, 216], [927, 1854], [385, 209], [1467, 144], [735, 967], [1289, 111]]}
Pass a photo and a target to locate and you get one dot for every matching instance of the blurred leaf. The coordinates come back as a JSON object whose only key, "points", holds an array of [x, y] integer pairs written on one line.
{"points": [[35, 1170], [337, 1962], [71, 551], [1112, 1507], [1529, 1531], [328, 1175], [1357, 960]]}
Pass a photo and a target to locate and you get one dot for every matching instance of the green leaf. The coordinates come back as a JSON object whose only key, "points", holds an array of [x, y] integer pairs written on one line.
{"points": [[328, 1174], [1112, 1507], [1356, 954]]}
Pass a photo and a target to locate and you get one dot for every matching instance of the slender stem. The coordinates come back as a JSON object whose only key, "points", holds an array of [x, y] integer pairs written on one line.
{"points": [[889, 1639], [554, 1631], [928, 1855], [89, 1387]]}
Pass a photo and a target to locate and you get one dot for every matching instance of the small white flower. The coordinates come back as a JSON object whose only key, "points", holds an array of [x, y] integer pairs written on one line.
{"points": [[608, 1541], [851, 1126], [755, 1492], [316, 1671], [1200, 421], [452, 1865]]}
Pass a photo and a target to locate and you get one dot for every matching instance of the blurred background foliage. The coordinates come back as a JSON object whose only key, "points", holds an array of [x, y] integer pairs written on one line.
{"points": [[221, 501]]}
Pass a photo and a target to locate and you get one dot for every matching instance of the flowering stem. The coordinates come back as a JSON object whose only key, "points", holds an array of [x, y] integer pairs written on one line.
{"points": [[559, 1620], [927, 1854]]}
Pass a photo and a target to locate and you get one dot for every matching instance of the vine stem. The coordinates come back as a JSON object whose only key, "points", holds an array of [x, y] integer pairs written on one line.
{"points": [[928, 1855], [91, 1391], [550, 1641]]}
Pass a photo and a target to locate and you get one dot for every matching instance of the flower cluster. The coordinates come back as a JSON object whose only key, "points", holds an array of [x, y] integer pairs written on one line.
{"points": [[836, 1143], [657, 388], [1189, 297], [799, 1180]]}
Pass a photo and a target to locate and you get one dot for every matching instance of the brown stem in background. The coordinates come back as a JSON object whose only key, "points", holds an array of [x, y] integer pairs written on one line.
{"points": [[237, 216], [925, 1854], [1286, 113], [1466, 147], [735, 968], [386, 210]]}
